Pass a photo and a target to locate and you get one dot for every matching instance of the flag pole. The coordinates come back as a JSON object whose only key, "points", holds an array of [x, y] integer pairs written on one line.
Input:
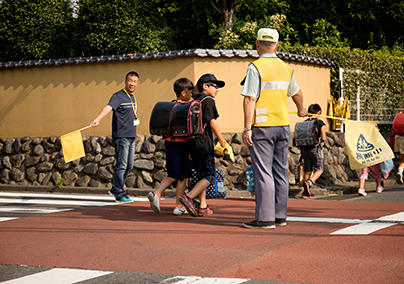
{"points": [[77, 130], [321, 115]]}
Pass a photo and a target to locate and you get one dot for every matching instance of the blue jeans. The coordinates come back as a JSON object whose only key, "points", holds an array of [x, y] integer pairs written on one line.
{"points": [[124, 156]]}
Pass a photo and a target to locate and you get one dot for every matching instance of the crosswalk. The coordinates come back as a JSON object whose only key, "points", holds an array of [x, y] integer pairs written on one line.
{"points": [[14, 205], [72, 275], [58, 275], [19, 205]]}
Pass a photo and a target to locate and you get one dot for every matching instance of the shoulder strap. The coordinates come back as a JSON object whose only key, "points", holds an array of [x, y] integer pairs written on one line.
{"points": [[206, 97]]}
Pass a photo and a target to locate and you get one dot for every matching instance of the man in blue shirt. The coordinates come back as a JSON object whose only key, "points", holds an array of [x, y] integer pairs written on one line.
{"points": [[124, 121]]}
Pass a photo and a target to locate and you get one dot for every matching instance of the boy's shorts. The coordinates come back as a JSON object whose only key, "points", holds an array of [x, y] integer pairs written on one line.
{"points": [[178, 164], [399, 144], [205, 167], [313, 159]]}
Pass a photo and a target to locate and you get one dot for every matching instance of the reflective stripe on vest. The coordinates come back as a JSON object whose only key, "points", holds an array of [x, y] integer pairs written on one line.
{"points": [[271, 108]]}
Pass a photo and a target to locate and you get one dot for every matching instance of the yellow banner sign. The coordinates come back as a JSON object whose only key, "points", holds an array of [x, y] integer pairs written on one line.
{"points": [[366, 146], [72, 145]]}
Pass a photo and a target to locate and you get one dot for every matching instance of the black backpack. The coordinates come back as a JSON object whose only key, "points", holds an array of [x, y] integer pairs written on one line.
{"points": [[186, 120], [306, 132], [177, 119], [160, 118]]}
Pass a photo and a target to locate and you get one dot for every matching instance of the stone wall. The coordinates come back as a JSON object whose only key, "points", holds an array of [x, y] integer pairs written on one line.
{"points": [[39, 161]]}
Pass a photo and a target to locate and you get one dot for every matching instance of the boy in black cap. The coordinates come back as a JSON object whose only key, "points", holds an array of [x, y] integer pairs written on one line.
{"points": [[201, 148]]}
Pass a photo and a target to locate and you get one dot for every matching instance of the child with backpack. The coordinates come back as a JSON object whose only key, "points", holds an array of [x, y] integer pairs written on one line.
{"points": [[178, 164], [202, 148], [313, 155]]}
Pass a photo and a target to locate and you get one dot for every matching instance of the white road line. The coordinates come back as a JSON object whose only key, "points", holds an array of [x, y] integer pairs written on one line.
{"points": [[3, 219], [106, 198], [59, 275], [56, 196], [398, 217], [55, 202], [30, 210], [363, 229], [200, 280], [326, 220]]}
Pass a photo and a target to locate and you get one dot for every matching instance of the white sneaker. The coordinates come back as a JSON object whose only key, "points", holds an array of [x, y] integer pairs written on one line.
{"points": [[380, 189], [179, 211], [361, 191], [154, 201]]}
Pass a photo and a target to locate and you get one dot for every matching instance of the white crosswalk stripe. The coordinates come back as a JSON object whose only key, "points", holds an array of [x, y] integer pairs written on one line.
{"points": [[71, 275], [367, 227], [15, 204], [58, 275], [201, 280], [363, 229]]}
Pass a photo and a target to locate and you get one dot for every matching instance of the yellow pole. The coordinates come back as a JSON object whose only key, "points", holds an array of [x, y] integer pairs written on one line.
{"points": [[326, 116], [79, 130]]}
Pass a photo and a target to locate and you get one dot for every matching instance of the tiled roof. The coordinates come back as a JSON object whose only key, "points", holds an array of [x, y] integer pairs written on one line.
{"points": [[162, 55]]}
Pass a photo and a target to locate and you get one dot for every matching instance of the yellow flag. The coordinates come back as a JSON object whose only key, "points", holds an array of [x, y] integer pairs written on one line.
{"points": [[72, 145], [344, 110], [330, 110], [366, 146]]}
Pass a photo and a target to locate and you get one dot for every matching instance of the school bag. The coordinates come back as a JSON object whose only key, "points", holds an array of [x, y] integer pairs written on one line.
{"points": [[160, 119], [215, 190], [306, 132], [186, 120], [398, 124], [249, 176]]}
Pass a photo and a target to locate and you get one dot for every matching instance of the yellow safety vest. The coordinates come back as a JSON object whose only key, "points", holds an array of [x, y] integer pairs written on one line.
{"points": [[271, 108]]}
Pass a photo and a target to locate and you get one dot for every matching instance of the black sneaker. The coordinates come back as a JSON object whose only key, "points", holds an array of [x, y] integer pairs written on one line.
{"points": [[259, 225], [280, 222]]}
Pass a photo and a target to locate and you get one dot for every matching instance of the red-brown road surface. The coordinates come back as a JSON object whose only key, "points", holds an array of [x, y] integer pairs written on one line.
{"points": [[130, 237]]}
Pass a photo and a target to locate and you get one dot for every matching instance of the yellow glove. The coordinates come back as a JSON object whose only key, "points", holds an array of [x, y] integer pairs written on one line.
{"points": [[219, 148], [228, 154]]}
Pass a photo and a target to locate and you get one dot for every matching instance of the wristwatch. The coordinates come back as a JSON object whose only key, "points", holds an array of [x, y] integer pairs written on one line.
{"points": [[246, 129]]}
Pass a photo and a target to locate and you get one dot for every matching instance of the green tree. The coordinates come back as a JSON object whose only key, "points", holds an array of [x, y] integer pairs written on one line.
{"points": [[189, 22], [365, 24], [35, 29], [120, 26], [248, 17], [322, 33]]}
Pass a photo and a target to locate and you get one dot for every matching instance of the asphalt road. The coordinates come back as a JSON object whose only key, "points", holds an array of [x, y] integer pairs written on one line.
{"points": [[334, 239]]}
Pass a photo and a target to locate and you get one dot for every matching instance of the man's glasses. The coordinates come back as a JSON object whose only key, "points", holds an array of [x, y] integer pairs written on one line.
{"points": [[212, 85]]}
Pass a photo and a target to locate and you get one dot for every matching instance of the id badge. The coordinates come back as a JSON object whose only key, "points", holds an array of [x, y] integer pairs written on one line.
{"points": [[136, 122]]}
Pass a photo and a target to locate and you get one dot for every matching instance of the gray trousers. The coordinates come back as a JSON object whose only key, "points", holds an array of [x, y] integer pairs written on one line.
{"points": [[269, 155]]}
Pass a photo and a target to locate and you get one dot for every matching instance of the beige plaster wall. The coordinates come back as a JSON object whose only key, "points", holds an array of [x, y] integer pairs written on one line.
{"points": [[56, 100], [313, 80]]}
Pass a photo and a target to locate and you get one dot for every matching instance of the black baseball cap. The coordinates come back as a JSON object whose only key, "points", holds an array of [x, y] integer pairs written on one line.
{"points": [[210, 78]]}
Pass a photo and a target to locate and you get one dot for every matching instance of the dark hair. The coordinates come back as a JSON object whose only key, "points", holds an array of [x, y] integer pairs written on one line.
{"points": [[314, 108], [266, 43], [130, 74], [181, 85]]}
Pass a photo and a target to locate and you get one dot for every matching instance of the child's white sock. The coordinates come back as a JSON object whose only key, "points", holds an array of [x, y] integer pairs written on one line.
{"points": [[400, 169]]}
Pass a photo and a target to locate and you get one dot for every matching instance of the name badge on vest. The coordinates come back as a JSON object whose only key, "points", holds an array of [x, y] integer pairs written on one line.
{"points": [[136, 122]]}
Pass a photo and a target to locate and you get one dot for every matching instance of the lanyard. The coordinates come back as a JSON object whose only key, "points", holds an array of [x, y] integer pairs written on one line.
{"points": [[133, 105]]}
